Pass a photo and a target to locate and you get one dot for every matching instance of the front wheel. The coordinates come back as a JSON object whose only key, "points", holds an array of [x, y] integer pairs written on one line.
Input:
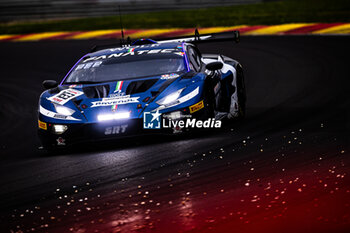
{"points": [[241, 92]]}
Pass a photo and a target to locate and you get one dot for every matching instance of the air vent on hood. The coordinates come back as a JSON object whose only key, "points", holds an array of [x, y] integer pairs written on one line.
{"points": [[140, 86], [101, 91]]}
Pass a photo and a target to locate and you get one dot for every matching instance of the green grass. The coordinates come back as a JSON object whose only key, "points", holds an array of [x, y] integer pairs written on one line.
{"points": [[287, 11]]}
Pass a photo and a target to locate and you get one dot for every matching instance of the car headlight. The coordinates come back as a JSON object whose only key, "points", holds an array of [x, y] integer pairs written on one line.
{"points": [[174, 99], [59, 129], [174, 115], [64, 110], [170, 99], [113, 116]]}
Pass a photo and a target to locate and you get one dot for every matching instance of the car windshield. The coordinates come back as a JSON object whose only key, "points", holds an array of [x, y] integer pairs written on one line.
{"points": [[95, 70]]}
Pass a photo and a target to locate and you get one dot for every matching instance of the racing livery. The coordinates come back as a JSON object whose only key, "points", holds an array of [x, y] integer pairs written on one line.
{"points": [[109, 93]]}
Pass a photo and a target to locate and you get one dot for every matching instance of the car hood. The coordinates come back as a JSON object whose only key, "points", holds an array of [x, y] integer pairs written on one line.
{"points": [[134, 96]]}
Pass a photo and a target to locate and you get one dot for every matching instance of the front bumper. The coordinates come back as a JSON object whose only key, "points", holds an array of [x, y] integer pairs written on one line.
{"points": [[101, 131], [77, 133]]}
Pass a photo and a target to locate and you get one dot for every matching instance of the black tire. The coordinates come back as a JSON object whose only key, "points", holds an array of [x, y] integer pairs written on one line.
{"points": [[241, 92], [209, 99]]}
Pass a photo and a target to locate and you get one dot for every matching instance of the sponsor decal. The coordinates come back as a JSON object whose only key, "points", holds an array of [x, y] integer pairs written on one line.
{"points": [[180, 53], [117, 92], [88, 65], [146, 99], [196, 107], [132, 52], [42, 125], [61, 141], [64, 96], [117, 129], [76, 86], [116, 95], [115, 101], [118, 87], [151, 120], [114, 108], [169, 76], [136, 46], [59, 116], [51, 114]]}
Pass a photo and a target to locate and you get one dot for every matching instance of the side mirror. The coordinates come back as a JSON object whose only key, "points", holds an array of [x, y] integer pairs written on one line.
{"points": [[49, 84], [216, 65]]}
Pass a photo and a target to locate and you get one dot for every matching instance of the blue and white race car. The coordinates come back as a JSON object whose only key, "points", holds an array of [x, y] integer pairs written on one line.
{"points": [[139, 89]]}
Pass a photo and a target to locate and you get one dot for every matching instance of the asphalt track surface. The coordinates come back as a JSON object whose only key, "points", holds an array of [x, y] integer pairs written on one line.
{"points": [[285, 168]]}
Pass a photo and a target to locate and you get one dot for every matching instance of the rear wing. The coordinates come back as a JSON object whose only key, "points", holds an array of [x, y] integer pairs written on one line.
{"points": [[215, 37], [197, 38]]}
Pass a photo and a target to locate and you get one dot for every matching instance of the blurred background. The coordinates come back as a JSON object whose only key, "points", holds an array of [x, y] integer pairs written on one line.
{"points": [[12, 10], [34, 16]]}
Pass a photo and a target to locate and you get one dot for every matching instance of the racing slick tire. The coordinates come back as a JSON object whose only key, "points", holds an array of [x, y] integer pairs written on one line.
{"points": [[241, 92]]}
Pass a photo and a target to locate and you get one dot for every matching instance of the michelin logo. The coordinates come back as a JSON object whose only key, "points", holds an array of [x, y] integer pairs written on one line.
{"points": [[151, 120]]}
